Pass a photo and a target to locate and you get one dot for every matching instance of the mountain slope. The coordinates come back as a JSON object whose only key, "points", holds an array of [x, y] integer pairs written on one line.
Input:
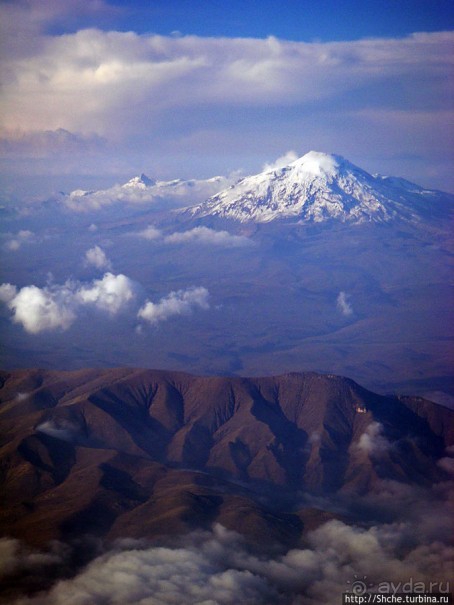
{"points": [[319, 187], [145, 453]]}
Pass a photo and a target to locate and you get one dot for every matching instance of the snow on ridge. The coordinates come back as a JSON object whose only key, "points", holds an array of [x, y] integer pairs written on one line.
{"points": [[316, 163], [315, 187], [143, 190]]}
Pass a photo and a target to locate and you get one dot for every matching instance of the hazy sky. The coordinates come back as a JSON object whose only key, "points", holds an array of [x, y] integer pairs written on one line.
{"points": [[191, 88]]}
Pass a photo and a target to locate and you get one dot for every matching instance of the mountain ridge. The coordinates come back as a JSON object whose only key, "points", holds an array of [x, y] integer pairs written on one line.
{"points": [[142, 453]]}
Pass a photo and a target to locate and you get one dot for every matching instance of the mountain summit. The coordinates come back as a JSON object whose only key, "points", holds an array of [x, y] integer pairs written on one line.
{"points": [[319, 187]]}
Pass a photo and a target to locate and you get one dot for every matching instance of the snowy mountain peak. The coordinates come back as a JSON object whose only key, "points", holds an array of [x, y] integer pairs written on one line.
{"points": [[140, 182], [314, 188], [317, 164]]}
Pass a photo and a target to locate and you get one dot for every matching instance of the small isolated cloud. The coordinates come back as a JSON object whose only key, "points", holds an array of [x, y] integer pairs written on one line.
{"points": [[344, 305], [16, 241], [60, 429], [281, 161], [211, 237], [55, 307], [111, 293], [181, 302], [372, 441], [150, 233], [97, 258]]}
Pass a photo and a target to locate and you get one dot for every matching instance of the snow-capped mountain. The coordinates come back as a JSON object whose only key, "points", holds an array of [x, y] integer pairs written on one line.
{"points": [[318, 187], [144, 190]]}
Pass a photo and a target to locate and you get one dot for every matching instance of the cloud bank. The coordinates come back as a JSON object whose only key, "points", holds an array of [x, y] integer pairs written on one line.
{"points": [[218, 568], [203, 102]]}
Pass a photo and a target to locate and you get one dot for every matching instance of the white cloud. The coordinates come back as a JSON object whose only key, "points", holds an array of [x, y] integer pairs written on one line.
{"points": [[190, 94], [103, 66], [97, 257], [281, 161], [205, 235], [60, 429], [42, 309], [150, 233], [344, 305], [181, 302], [372, 441], [111, 293], [217, 568], [197, 235], [156, 194], [55, 307]]}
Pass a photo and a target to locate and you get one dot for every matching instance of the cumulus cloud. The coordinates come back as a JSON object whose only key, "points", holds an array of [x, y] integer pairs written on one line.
{"points": [[42, 309], [111, 293], [98, 64], [55, 307], [181, 302], [344, 305], [97, 258], [180, 81], [281, 161]]}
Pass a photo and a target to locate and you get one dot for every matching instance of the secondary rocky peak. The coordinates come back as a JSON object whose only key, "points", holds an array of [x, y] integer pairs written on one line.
{"points": [[141, 181]]}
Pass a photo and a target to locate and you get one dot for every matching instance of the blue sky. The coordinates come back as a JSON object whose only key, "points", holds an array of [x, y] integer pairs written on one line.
{"points": [[96, 91], [300, 20]]}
